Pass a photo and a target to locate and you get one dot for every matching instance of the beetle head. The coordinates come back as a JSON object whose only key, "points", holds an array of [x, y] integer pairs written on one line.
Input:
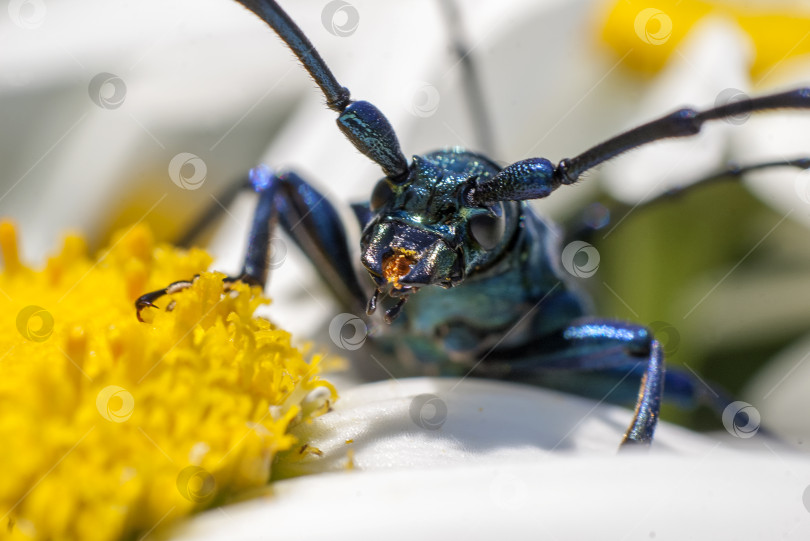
{"points": [[425, 231]]}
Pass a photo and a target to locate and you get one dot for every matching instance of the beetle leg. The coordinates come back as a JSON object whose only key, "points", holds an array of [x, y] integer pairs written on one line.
{"points": [[309, 219], [149, 298], [595, 345], [609, 356]]}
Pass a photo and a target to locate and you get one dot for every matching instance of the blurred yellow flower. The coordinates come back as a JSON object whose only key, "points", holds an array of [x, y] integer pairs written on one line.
{"points": [[112, 427], [649, 34]]}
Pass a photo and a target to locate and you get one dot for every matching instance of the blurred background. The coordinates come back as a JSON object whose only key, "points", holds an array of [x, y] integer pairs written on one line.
{"points": [[115, 112]]}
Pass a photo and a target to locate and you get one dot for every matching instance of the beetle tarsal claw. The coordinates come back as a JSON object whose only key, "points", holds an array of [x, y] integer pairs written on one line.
{"points": [[148, 300]]}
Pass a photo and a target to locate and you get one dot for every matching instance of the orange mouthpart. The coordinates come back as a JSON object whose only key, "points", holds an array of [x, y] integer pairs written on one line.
{"points": [[396, 266]]}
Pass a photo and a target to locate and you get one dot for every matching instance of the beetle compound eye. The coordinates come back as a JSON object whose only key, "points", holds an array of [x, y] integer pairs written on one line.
{"points": [[487, 229], [381, 195]]}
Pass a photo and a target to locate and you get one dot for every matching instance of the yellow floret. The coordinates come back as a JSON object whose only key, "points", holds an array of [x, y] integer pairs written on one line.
{"points": [[646, 34], [112, 427]]}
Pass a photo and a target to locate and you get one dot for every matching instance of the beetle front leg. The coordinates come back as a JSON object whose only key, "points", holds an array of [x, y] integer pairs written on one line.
{"points": [[596, 345], [309, 219]]}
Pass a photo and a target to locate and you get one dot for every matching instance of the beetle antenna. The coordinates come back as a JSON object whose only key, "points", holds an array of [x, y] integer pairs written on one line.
{"points": [[360, 121], [337, 97], [681, 123], [536, 178]]}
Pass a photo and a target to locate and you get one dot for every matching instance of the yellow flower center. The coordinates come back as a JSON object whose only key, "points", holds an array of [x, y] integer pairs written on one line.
{"points": [[111, 427]]}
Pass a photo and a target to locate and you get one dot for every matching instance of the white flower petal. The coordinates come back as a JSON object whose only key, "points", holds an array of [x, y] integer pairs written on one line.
{"points": [[780, 391], [487, 473]]}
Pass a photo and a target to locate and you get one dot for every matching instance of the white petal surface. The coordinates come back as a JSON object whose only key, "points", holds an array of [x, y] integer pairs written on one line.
{"points": [[514, 461], [780, 391]]}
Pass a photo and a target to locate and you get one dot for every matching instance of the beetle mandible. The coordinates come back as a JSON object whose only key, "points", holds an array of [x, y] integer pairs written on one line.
{"points": [[465, 274]]}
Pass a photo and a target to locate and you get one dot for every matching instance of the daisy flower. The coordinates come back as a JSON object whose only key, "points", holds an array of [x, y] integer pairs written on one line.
{"points": [[183, 98]]}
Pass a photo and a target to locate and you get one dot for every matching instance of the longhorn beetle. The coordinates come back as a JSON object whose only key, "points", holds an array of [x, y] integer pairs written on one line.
{"points": [[465, 274]]}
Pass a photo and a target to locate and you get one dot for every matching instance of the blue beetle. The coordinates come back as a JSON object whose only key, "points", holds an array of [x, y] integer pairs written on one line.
{"points": [[451, 234]]}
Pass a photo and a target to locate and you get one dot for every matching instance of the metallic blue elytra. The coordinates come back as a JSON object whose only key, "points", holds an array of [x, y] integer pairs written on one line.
{"points": [[466, 275]]}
